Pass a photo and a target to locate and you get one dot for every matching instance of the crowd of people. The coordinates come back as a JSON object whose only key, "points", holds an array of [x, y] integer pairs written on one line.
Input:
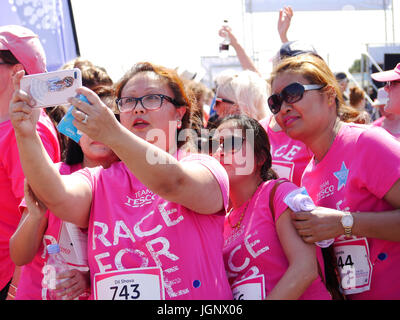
{"points": [[286, 188]]}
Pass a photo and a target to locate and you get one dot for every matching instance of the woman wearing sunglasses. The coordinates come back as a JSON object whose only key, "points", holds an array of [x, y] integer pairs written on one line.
{"points": [[353, 178], [149, 238], [243, 92], [289, 157], [262, 248], [246, 93]]}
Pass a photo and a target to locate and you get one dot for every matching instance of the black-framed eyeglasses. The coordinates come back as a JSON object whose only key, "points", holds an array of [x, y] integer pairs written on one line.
{"points": [[230, 144], [148, 102], [392, 83], [290, 94]]}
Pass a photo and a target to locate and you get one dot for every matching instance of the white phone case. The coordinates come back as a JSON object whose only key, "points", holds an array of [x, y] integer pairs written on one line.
{"points": [[52, 88]]}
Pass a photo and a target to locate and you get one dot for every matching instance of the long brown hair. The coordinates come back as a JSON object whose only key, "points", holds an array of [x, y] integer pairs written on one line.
{"points": [[92, 75]]}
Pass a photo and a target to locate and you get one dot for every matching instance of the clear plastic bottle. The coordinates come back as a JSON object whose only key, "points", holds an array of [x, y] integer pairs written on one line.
{"points": [[55, 265], [224, 45], [299, 200]]}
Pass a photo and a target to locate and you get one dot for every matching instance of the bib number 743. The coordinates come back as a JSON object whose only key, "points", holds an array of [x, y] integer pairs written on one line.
{"points": [[130, 284], [126, 292]]}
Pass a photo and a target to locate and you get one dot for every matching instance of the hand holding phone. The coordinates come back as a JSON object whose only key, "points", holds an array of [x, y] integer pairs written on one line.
{"points": [[52, 88], [66, 126]]}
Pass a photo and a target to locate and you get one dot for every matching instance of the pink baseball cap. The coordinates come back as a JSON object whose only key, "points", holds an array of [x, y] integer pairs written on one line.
{"points": [[390, 75], [25, 46]]}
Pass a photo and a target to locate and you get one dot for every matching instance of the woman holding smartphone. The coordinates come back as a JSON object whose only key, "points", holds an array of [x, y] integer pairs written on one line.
{"points": [[144, 222], [38, 227]]}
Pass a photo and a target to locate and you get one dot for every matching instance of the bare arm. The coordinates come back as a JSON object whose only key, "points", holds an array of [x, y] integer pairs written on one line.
{"points": [[285, 17], [172, 180], [245, 61], [67, 197], [325, 223], [381, 225], [302, 270], [25, 241], [175, 181]]}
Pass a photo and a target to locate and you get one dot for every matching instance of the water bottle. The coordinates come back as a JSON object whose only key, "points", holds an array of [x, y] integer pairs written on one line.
{"points": [[299, 200], [224, 45], [55, 265]]}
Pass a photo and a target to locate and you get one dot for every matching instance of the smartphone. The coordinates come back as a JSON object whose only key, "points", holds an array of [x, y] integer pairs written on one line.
{"points": [[66, 126], [52, 88]]}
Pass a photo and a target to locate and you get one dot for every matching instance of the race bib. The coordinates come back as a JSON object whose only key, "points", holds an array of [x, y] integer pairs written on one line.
{"points": [[249, 289], [130, 284], [354, 265]]}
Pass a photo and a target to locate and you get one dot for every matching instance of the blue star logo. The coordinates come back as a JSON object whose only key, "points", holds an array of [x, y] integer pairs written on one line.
{"points": [[342, 176]]}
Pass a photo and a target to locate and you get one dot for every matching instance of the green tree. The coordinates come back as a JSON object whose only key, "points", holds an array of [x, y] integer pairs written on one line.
{"points": [[356, 67]]}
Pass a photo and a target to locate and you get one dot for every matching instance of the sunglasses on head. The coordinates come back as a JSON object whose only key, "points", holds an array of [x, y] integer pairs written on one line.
{"points": [[292, 93], [229, 144], [224, 100]]}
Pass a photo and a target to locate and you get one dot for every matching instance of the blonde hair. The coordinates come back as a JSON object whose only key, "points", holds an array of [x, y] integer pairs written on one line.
{"points": [[316, 71], [247, 89]]}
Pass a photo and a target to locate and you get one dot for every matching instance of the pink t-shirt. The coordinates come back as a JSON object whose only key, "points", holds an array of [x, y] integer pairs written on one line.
{"points": [[289, 157], [359, 169], [30, 282], [379, 123], [12, 185], [254, 248], [173, 247]]}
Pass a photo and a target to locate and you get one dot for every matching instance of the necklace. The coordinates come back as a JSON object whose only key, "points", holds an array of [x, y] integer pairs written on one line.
{"points": [[237, 224]]}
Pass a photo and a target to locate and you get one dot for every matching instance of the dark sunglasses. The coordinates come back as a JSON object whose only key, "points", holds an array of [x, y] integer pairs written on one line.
{"points": [[292, 93], [230, 144]]}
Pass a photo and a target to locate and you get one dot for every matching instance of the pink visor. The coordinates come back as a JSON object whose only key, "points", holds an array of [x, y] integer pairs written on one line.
{"points": [[390, 75]]}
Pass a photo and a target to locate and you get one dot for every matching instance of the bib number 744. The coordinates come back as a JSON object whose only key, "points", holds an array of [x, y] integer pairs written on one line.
{"points": [[354, 265]]}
